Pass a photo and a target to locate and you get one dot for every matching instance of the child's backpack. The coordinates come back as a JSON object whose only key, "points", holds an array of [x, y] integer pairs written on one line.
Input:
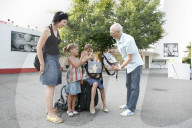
{"points": [[108, 60], [94, 69]]}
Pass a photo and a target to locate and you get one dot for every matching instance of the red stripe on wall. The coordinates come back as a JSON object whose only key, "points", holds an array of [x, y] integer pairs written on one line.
{"points": [[17, 70], [3, 22]]}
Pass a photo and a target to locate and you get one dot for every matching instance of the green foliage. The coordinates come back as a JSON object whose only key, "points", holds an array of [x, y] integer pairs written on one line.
{"points": [[188, 58], [142, 20], [90, 21]]}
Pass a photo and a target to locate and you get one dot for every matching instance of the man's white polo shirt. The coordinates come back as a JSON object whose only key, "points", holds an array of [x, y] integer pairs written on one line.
{"points": [[127, 45]]}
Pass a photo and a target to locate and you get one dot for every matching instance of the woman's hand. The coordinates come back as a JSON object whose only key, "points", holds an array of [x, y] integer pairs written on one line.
{"points": [[42, 68]]}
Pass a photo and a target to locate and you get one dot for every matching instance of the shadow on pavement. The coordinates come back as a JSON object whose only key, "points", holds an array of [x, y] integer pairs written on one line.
{"points": [[8, 86], [167, 102]]}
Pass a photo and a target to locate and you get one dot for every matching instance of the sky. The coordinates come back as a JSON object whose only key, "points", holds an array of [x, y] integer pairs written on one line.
{"points": [[39, 13], [32, 12]]}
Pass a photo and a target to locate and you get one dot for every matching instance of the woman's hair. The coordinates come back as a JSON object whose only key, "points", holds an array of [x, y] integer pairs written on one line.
{"points": [[88, 46], [59, 16], [71, 46]]}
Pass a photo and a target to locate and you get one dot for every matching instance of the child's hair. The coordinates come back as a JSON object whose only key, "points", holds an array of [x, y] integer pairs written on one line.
{"points": [[88, 46], [71, 46]]}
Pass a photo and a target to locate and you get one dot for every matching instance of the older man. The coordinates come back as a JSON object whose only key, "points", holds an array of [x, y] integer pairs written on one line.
{"points": [[132, 62]]}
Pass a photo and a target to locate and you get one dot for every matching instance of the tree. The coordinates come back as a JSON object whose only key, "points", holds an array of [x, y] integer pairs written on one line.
{"points": [[188, 58], [75, 31], [103, 15], [89, 22], [142, 19]]}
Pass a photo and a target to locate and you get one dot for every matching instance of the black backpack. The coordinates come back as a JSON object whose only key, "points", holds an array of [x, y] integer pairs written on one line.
{"points": [[82, 102], [61, 104], [84, 98]]}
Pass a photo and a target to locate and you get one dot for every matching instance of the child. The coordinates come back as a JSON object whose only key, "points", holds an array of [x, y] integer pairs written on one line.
{"points": [[94, 82], [74, 76]]}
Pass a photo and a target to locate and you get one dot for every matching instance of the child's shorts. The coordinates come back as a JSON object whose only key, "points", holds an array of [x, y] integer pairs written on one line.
{"points": [[91, 81]]}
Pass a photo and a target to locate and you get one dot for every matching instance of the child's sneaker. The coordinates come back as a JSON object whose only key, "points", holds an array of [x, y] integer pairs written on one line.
{"points": [[127, 112], [123, 106], [75, 112], [70, 113]]}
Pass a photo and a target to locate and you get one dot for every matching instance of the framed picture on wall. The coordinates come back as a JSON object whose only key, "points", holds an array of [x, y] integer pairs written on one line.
{"points": [[171, 50], [23, 42]]}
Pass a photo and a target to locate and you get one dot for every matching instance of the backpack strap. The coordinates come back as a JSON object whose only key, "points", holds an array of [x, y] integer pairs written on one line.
{"points": [[104, 57], [61, 95]]}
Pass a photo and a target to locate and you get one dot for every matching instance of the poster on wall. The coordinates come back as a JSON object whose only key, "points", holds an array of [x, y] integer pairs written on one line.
{"points": [[23, 42], [171, 50]]}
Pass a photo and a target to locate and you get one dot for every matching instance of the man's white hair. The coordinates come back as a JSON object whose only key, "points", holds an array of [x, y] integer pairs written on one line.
{"points": [[117, 27]]}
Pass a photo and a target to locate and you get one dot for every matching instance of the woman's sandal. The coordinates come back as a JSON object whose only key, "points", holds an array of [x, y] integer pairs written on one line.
{"points": [[54, 119], [55, 110]]}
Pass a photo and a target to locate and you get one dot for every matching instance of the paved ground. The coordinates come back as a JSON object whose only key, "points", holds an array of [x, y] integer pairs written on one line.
{"points": [[163, 102]]}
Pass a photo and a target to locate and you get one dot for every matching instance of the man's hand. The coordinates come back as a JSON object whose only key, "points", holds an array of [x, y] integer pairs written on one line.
{"points": [[115, 68], [111, 51]]}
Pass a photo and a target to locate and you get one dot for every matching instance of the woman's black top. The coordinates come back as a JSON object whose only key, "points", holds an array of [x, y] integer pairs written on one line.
{"points": [[52, 43]]}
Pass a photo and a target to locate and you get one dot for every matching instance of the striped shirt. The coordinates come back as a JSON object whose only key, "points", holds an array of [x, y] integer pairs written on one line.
{"points": [[74, 74]]}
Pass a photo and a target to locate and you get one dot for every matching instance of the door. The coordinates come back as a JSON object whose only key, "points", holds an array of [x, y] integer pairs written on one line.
{"points": [[146, 62]]}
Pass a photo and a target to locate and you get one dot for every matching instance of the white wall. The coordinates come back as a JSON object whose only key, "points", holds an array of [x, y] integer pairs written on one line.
{"points": [[63, 61], [14, 59], [179, 71], [178, 27]]}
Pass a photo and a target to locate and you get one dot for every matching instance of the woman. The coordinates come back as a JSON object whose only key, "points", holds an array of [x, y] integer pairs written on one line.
{"points": [[50, 68]]}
